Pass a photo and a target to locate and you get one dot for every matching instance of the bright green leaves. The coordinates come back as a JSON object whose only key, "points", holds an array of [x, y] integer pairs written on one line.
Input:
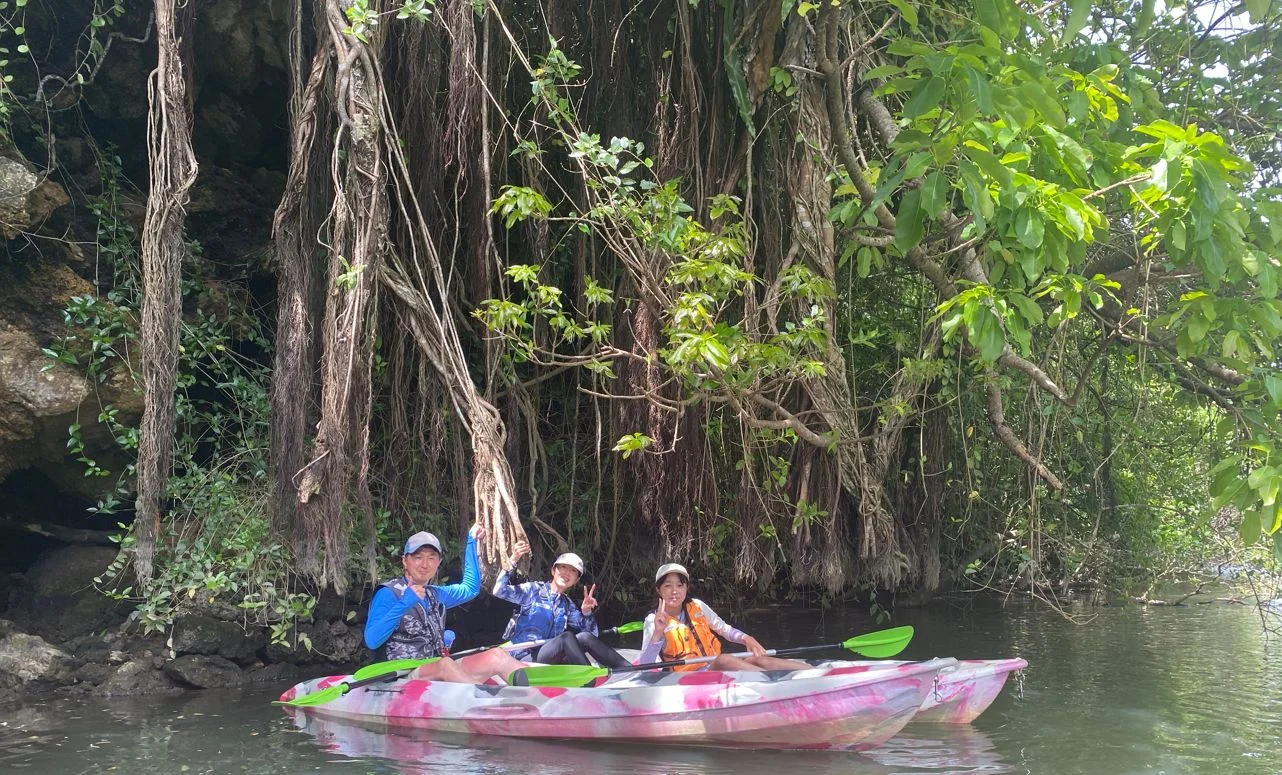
{"points": [[986, 316], [632, 442], [1255, 495], [514, 318], [518, 203]]}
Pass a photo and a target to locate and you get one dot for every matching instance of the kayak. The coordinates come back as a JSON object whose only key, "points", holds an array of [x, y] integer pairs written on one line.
{"points": [[960, 694], [851, 710]]}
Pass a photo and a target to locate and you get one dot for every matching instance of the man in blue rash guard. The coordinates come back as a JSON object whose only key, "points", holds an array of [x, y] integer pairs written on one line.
{"points": [[407, 615]]}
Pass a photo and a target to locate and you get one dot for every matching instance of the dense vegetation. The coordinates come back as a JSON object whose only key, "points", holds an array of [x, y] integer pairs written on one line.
{"points": [[827, 298]]}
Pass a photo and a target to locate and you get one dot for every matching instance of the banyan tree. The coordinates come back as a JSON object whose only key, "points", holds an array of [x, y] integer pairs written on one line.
{"points": [[785, 288]]}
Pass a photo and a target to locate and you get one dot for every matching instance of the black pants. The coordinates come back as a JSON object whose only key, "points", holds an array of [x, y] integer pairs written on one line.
{"points": [[570, 649]]}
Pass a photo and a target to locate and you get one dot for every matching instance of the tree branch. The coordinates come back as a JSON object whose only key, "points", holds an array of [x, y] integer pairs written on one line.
{"points": [[997, 416]]}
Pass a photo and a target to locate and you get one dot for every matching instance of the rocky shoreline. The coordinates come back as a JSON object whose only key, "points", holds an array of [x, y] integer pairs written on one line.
{"points": [[61, 636]]}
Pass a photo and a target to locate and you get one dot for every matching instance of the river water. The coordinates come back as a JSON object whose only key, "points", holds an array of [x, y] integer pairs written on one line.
{"points": [[1170, 690]]}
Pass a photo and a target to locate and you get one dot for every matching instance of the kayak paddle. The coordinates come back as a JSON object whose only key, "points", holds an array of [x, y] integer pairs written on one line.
{"points": [[331, 693], [390, 670], [882, 643]]}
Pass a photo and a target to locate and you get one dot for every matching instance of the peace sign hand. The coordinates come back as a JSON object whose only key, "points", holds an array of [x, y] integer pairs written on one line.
{"points": [[661, 619], [589, 600]]}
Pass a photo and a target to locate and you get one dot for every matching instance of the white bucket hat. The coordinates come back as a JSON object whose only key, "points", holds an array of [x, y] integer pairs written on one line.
{"points": [[672, 567], [571, 559], [421, 539]]}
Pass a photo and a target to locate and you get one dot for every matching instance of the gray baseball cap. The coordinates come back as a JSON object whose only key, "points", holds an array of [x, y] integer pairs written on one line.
{"points": [[421, 539], [672, 567]]}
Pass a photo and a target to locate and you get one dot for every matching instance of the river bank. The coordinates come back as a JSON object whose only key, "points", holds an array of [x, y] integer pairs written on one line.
{"points": [[62, 638]]}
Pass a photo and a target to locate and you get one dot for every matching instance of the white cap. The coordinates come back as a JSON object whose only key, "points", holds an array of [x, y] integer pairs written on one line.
{"points": [[571, 559], [672, 567], [421, 539]]}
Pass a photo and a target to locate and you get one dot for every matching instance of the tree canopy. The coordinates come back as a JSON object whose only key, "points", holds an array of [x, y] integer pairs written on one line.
{"points": [[851, 294]]}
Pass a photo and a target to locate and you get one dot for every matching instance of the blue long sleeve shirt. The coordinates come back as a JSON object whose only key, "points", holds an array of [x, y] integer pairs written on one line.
{"points": [[386, 611], [543, 613]]}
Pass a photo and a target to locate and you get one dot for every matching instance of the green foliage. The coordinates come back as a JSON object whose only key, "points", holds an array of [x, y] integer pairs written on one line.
{"points": [[215, 546]]}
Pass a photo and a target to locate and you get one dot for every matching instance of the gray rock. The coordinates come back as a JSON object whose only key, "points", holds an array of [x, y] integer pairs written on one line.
{"points": [[138, 677], [330, 642], [279, 671], [206, 635], [205, 671], [94, 673], [28, 659], [90, 648], [40, 398], [25, 200], [58, 600]]}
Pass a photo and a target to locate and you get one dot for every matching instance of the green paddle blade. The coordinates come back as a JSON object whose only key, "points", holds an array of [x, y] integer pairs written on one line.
{"points": [[880, 644], [315, 698], [393, 666], [630, 627], [556, 675]]}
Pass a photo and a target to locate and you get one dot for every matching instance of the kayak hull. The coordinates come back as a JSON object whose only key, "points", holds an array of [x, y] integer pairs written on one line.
{"points": [[856, 710], [960, 694]]}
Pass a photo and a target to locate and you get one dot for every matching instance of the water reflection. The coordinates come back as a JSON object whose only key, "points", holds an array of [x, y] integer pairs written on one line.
{"points": [[937, 748]]}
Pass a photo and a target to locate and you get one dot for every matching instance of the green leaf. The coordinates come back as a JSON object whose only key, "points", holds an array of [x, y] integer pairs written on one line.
{"points": [[995, 15], [1034, 94], [863, 261], [1249, 529], [1144, 19], [925, 97], [1196, 328], [906, 11], [1257, 9], [1031, 263], [981, 89], [976, 194], [917, 164], [881, 72], [734, 71], [1076, 18], [1273, 386], [990, 164], [985, 333], [909, 222], [934, 194], [1029, 228]]}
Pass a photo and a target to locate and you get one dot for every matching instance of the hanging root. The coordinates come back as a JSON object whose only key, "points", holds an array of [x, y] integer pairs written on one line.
{"points": [[172, 167]]}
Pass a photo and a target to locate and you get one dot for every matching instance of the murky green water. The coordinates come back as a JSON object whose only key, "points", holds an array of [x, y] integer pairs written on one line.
{"points": [[1158, 690]]}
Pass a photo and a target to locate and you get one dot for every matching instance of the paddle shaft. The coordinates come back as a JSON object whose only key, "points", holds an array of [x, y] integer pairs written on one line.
{"points": [[529, 644], [740, 654]]}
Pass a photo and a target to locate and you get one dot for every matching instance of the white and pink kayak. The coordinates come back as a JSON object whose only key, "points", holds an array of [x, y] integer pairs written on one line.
{"points": [[960, 693], [854, 709]]}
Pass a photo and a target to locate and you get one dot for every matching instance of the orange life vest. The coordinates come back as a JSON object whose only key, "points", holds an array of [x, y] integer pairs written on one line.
{"points": [[681, 641]]}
